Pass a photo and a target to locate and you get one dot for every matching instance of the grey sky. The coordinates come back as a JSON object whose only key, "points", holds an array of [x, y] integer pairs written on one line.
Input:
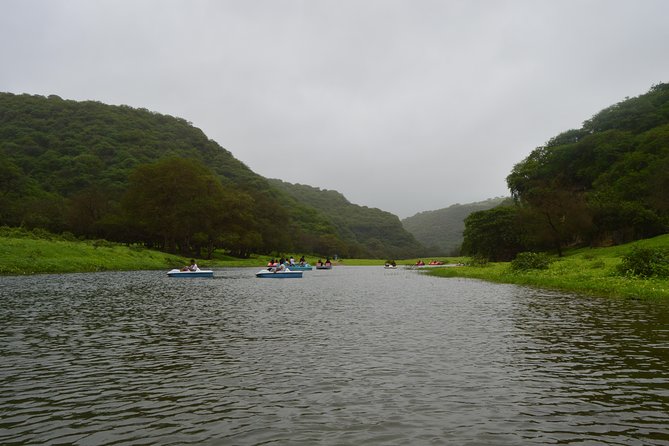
{"points": [[404, 105]]}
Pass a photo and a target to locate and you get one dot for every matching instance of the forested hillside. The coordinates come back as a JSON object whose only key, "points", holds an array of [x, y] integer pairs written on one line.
{"points": [[370, 231], [441, 230], [603, 184], [132, 175]]}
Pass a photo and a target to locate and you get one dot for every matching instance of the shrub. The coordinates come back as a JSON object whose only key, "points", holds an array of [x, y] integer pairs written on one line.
{"points": [[526, 261], [41, 234], [68, 237], [478, 260], [101, 243], [645, 262]]}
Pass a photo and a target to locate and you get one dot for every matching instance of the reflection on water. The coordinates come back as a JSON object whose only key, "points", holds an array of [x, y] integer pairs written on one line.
{"points": [[355, 355]]}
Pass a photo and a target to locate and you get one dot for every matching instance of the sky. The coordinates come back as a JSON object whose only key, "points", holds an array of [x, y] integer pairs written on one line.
{"points": [[402, 105]]}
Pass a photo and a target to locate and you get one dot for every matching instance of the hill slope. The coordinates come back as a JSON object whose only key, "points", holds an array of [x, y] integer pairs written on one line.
{"points": [[441, 230], [605, 183], [67, 166], [369, 231]]}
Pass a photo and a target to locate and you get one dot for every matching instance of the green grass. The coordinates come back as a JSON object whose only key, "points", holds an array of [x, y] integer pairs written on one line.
{"points": [[589, 271], [36, 252], [33, 256]]}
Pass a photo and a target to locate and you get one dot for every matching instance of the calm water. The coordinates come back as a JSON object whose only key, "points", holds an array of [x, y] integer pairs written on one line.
{"points": [[351, 356]]}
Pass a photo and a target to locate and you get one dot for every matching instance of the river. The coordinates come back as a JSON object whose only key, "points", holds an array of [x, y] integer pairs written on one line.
{"points": [[350, 356]]}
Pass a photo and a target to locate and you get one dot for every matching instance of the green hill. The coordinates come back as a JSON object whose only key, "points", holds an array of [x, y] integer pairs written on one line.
{"points": [[441, 230], [603, 184], [136, 176], [370, 232]]}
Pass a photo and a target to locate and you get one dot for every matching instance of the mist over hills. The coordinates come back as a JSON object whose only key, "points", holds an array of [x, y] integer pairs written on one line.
{"points": [[441, 230]]}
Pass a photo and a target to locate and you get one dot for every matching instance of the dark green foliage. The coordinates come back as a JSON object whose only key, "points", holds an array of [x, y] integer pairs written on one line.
{"points": [[526, 261], [181, 206], [99, 171], [478, 260], [495, 234], [442, 230], [362, 231], [645, 262], [605, 183]]}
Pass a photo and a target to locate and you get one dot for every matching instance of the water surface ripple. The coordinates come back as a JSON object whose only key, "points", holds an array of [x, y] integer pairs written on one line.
{"points": [[355, 355]]}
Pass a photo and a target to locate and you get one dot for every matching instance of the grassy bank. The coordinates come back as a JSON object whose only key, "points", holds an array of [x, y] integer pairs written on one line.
{"points": [[589, 271], [25, 252], [33, 256]]}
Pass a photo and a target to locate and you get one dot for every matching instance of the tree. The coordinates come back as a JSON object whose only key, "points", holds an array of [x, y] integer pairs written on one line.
{"points": [[495, 234], [183, 204]]}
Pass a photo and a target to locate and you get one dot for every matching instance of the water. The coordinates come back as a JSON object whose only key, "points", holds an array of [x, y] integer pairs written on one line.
{"points": [[355, 355]]}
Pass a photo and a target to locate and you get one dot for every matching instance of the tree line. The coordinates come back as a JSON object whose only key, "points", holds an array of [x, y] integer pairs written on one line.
{"points": [[134, 176], [603, 184]]}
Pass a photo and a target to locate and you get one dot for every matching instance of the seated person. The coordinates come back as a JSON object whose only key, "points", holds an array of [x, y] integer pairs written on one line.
{"points": [[191, 267]]}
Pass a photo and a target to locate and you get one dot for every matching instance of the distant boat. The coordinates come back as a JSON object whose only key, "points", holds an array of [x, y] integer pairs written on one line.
{"points": [[390, 266], [305, 267], [324, 266], [285, 274], [191, 274]]}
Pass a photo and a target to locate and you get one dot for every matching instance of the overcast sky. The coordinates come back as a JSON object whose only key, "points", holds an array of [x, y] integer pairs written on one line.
{"points": [[404, 105]]}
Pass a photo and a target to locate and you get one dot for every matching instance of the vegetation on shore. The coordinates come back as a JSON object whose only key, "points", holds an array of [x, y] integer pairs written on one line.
{"points": [[606, 183], [40, 252], [35, 255], [594, 271], [441, 230], [137, 177]]}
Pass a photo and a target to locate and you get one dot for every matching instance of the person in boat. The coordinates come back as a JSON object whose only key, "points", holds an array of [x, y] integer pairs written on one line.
{"points": [[291, 261], [191, 267], [420, 263], [302, 261], [279, 268], [319, 263], [327, 261]]}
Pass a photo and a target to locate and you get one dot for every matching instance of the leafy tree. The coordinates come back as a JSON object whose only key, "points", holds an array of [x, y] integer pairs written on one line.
{"points": [[181, 201], [603, 183], [494, 234]]}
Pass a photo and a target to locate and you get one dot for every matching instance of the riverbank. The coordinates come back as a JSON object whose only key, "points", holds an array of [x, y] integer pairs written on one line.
{"points": [[25, 252], [588, 271]]}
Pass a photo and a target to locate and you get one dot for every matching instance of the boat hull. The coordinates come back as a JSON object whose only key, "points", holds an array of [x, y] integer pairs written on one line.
{"points": [[265, 274], [191, 274], [301, 268]]}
